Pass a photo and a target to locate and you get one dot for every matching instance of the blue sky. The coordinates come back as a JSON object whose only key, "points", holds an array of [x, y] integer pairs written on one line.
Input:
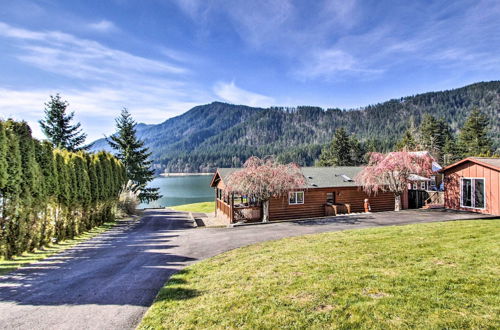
{"points": [[159, 58]]}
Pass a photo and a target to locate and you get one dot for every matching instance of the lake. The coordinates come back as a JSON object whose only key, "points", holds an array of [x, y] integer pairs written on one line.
{"points": [[179, 190]]}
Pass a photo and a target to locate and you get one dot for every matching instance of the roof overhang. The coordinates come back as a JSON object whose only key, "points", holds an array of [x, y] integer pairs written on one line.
{"points": [[414, 177], [215, 179], [470, 159]]}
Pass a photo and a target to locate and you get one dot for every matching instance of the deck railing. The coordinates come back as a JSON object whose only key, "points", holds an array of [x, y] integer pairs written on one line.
{"points": [[225, 208]]}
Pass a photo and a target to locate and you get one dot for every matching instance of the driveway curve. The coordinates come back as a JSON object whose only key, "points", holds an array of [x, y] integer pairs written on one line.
{"points": [[109, 281]]}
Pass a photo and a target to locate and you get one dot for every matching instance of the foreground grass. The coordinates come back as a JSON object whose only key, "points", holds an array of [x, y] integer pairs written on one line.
{"points": [[7, 266], [204, 207], [437, 275]]}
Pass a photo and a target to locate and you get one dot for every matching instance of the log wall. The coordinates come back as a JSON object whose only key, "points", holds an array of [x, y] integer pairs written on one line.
{"points": [[315, 200]]}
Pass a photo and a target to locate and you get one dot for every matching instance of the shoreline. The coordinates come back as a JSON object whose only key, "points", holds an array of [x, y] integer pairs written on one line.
{"points": [[183, 174]]}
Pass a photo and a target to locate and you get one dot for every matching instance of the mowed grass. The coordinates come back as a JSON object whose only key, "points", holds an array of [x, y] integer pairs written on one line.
{"points": [[436, 275], [204, 207], [7, 266]]}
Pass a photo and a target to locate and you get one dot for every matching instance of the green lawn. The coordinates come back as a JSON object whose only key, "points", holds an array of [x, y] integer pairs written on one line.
{"points": [[204, 207], [7, 266], [436, 275]]}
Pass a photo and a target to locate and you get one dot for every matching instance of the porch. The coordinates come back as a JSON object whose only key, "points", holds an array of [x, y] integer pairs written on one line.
{"points": [[237, 208]]}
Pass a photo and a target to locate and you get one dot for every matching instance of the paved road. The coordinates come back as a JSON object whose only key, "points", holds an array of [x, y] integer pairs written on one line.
{"points": [[109, 281]]}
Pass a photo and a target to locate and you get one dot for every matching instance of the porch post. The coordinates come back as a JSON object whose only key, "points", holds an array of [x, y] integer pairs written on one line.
{"points": [[216, 196], [232, 207]]}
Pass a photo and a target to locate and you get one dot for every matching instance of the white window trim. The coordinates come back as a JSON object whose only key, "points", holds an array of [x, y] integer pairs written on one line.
{"points": [[295, 193], [473, 195]]}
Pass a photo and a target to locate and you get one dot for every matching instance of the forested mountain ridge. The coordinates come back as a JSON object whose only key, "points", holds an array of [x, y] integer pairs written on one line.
{"points": [[219, 134]]}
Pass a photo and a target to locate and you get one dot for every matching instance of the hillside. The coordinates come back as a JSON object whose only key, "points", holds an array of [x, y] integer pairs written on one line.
{"points": [[219, 134]]}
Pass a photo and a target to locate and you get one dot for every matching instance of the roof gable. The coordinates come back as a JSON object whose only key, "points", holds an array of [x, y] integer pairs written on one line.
{"points": [[493, 163]]}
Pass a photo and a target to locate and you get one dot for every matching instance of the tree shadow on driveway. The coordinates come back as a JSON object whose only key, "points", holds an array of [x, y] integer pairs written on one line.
{"points": [[124, 266]]}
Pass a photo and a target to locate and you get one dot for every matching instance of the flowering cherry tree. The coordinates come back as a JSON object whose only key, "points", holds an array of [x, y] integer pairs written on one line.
{"points": [[263, 179], [391, 172]]}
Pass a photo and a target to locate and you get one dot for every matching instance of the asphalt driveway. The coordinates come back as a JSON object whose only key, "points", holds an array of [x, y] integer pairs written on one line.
{"points": [[109, 281]]}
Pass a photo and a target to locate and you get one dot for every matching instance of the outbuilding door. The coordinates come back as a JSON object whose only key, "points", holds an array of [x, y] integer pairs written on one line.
{"points": [[416, 198]]}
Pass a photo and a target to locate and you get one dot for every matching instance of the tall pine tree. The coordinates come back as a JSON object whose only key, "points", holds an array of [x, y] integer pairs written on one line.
{"points": [[407, 142], [338, 152], [57, 126], [134, 156], [473, 138]]}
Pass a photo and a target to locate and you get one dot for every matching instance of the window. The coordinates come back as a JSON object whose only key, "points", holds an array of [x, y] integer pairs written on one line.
{"points": [[472, 193], [330, 197], [296, 197], [422, 185]]}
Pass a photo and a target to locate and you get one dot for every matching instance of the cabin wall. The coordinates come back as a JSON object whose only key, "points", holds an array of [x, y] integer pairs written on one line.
{"points": [[472, 170], [315, 200]]}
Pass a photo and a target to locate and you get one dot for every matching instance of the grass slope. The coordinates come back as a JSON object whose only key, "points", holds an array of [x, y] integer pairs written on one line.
{"points": [[437, 275], [7, 266], [204, 207]]}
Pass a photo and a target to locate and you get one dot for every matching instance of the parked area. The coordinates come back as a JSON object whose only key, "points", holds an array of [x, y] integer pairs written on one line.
{"points": [[111, 280]]}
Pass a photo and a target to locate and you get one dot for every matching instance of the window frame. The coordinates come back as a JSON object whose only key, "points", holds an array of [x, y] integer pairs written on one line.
{"points": [[295, 193], [473, 193]]}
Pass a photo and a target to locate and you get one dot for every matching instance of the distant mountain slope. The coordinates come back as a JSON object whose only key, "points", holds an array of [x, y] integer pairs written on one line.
{"points": [[219, 134]]}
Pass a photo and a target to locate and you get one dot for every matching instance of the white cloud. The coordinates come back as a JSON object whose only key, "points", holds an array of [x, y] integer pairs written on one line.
{"points": [[153, 90], [332, 63], [96, 108], [231, 93], [68, 55], [103, 26]]}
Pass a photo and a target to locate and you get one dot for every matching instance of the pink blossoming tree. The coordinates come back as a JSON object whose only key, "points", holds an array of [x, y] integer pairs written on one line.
{"points": [[391, 172], [263, 179]]}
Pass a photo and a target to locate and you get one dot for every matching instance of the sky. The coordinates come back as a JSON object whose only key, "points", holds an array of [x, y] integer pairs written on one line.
{"points": [[159, 58]]}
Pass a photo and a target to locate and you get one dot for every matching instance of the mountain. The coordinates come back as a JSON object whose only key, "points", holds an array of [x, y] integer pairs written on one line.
{"points": [[222, 135]]}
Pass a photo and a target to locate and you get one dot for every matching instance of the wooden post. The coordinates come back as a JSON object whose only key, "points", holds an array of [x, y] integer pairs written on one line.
{"points": [[231, 207], [216, 197]]}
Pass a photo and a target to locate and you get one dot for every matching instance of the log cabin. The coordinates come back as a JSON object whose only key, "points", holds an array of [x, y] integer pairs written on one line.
{"points": [[473, 184], [329, 191]]}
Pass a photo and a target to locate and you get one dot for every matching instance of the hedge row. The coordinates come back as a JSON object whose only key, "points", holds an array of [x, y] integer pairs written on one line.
{"points": [[47, 195]]}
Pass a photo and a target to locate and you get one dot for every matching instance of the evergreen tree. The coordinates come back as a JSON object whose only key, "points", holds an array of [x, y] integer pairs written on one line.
{"points": [[3, 156], [437, 137], [407, 142], [48, 193], [45, 159], [357, 151], [10, 194], [338, 152], [429, 135], [57, 126], [134, 156], [473, 138], [31, 180], [451, 153]]}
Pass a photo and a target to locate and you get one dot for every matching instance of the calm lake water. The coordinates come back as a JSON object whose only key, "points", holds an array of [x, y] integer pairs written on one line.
{"points": [[178, 190]]}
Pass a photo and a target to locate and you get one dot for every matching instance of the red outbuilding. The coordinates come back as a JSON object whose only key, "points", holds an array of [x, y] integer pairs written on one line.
{"points": [[473, 184]]}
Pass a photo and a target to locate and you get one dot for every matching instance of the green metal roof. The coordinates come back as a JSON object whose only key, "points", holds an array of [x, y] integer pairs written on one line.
{"points": [[318, 177]]}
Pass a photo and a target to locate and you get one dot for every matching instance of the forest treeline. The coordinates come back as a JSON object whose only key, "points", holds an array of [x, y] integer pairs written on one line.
{"points": [[48, 194], [225, 135]]}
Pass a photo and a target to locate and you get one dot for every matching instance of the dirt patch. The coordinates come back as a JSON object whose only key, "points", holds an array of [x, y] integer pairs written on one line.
{"points": [[324, 308]]}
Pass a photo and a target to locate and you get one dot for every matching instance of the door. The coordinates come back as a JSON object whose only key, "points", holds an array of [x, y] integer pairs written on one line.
{"points": [[417, 198]]}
